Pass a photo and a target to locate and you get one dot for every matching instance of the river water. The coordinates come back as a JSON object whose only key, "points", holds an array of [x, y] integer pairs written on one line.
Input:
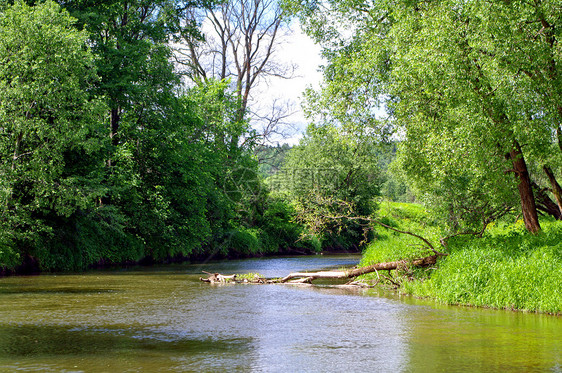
{"points": [[165, 320]]}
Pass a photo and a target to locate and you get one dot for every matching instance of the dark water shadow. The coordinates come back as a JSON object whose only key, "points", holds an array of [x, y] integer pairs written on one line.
{"points": [[53, 290], [33, 341]]}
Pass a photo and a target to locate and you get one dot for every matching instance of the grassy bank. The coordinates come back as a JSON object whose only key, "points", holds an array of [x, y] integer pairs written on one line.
{"points": [[508, 268]]}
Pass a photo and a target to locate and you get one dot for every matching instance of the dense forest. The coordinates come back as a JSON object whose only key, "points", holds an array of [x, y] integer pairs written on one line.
{"points": [[121, 143], [129, 132], [109, 156]]}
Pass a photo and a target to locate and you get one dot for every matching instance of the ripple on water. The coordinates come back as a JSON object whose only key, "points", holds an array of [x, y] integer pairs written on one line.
{"points": [[167, 320]]}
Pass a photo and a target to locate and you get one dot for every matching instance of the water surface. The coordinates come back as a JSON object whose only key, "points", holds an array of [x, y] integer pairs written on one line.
{"points": [[166, 320]]}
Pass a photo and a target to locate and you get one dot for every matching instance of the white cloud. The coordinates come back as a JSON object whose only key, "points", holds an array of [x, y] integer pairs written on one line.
{"points": [[299, 50]]}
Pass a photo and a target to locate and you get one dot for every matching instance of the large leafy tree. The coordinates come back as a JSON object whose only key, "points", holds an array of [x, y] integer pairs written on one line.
{"points": [[154, 176], [470, 86], [49, 124], [468, 125], [500, 71], [130, 38]]}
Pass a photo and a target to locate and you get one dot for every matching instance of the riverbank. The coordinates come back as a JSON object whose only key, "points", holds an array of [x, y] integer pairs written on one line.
{"points": [[507, 268]]}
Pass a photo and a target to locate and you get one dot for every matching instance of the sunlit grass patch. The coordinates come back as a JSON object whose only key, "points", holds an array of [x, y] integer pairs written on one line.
{"points": [[389, 245], [508, 268]]}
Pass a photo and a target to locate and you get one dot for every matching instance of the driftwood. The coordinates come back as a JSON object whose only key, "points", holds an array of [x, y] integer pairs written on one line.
{"points": [[354, 272], [308, 277], [217, 277]]}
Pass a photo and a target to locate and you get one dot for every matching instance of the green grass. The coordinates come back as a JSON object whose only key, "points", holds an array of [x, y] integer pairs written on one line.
{"points": [[507, 269], [389, 245]]}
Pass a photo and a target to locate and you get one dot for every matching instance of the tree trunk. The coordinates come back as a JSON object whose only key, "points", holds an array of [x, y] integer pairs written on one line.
{"points": [[545, 204], [307, 277], [556, 189], [528, 206], [387, 266], [114, 126]]}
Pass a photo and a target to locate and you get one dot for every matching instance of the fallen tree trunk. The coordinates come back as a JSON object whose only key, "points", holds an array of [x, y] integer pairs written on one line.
{"points": [[386, 266], [308, 277]]}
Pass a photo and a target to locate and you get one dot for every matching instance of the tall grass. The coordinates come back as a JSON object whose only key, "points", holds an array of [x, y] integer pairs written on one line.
{"points": [[508, 268], [389, 245]]}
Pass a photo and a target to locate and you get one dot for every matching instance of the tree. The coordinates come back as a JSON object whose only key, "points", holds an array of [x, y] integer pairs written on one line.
{"points": [[331, 169], [462, 86], [473, 46], [155, 179], [130, 37], [49, 125], [473, 116], [241, 46], [532, 59]]}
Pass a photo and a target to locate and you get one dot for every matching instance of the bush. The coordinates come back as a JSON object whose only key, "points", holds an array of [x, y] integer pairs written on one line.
{"points": [[84, 240], [9, 257], [244, 242], [281, 233]]}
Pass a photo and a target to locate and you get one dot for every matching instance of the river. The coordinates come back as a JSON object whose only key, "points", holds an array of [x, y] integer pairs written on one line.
{"points": [[164, 319]]}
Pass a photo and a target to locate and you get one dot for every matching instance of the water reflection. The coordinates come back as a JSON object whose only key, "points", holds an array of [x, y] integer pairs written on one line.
{"points": [[319, 329], [484, 340], [30, 347], [165, 319]]}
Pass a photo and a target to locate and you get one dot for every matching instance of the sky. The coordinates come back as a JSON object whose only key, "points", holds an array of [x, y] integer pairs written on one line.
{"points": [[300, 50]]}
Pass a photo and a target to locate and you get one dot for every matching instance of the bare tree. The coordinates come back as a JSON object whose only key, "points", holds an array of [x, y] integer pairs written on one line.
{"points": [[241, 42]]}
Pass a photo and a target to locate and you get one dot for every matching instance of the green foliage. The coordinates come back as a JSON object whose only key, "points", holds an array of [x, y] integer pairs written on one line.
{"points": [[104, 159], [249, 276], [244, 241], [395, 186], [130, 39], [271, 158], [9, 254], [332, 170], [390, 246], [454, 153], [97, 238], [274, 231], [170, 179], [508, 268], [500, 61], [285, 234], [49, 123]]}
